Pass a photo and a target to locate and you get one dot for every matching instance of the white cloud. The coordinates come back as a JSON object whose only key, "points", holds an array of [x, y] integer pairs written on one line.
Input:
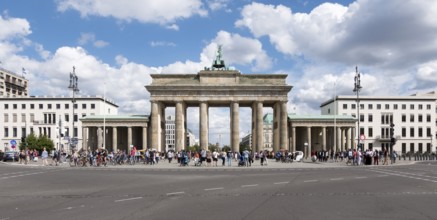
{"points": [[162, 44], [13, 28], [86, 38], [237, 50], [144, 11], [216, 5], [361, 33]]}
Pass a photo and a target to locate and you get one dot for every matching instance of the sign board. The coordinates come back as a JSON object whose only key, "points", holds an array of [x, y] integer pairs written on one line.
{"points": [[13, 143], [362, 137]]}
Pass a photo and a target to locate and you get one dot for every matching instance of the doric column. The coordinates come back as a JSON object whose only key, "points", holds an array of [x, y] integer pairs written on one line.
{"points": [[309, 141], [276, 119], [254, 140], [235, 126], [156, 124], [324, 138], [161, 146], [114, 139], [203, 125], [353, 138], [348, 138], [259, 125], [129, 137], [85, 138], [283, 125], [99, 137], [293, 133], [145, 137], [338, 142], [179, 127]]}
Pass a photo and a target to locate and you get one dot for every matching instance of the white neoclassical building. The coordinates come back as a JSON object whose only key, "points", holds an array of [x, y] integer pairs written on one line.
{"points": [[12, 84], [48, 116], [414, 119]]}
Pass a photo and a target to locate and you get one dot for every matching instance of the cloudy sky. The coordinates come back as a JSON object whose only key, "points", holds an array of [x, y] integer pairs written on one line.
{"points": [[317, 43]]}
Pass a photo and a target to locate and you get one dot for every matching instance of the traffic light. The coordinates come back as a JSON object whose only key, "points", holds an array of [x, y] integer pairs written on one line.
{"points": [[393, 141], [392, 130]]}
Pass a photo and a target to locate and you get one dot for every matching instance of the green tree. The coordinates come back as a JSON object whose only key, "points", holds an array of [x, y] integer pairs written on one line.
{"points": [[226, 148], [38, 143], [244, 147]]}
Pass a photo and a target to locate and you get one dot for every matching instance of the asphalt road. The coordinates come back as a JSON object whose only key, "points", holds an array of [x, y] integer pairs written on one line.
{"points": [[367, 192]]}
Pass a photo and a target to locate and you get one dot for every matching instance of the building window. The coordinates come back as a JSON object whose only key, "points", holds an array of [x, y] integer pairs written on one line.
{"points": [[370, 106], [14, 117], [14, 132], [411, 117], [23, 106], [49, 106], [428, 107], [404, 118], [420, 147], [40, 106], [420, 132], [67, 118], [420, 107], [428, 147], [412, 147], [361, 106], [387, 106], [344, 106], [58, 106], [32, 106], [361, 118], [370, 117], [361, 131], [404, 106], [353, 106], [370, 132], [412, 107], [386, 118], [378, 106], [428, 118], [404, 148], [428, 132], [83, 106], [32, 117], [75, 118], [23, 117], [93, 106], [404, 132], [6, 117], [67, 106], [419, 118], [329, 111], [395, 106], [412, 132], [6, 131], [6, 106], [14, 106]]}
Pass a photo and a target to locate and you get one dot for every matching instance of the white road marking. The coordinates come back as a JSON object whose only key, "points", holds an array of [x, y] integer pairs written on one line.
{"points": [[210, 189], [281, 183], [175, 193], [122, 200], [361, 177], [334, 179], [310, 181], [249, 185]]}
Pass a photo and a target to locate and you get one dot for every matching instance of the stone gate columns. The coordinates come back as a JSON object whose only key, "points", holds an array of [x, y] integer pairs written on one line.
{"points": [[145, 137], [259, 125], [324, 138], [180, 126], [203, 124], [309, 141], [114, 139], [276, 119], [85, 138], [99, 137], [156, 124], [129, 137], [348, 138], [283, 125], [235, 130], [338, 142], [254, 139], [293, 133]]}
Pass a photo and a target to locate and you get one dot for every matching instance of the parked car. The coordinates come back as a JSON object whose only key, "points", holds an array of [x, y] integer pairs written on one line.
{"points": [[298, 156], [10, 155]]}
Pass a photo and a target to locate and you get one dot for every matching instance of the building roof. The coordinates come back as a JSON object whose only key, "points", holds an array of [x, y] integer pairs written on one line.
{"points": [[51, 98], [115, 117], [379, 98], [320, 117]]}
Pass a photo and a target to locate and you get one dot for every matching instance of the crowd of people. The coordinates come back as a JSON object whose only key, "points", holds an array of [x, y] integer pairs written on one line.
{"points": [[356, 157]]}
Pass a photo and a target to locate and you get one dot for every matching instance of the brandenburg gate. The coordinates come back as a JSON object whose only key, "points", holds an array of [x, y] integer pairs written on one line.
{"points": [[218, 86]]}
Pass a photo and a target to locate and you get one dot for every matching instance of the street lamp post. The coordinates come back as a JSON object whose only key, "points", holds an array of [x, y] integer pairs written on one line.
{"points": [[73, 86], [357, 88]]}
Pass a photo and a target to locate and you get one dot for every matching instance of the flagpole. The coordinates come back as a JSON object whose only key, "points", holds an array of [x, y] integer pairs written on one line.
{"points": [[104, 115]]}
